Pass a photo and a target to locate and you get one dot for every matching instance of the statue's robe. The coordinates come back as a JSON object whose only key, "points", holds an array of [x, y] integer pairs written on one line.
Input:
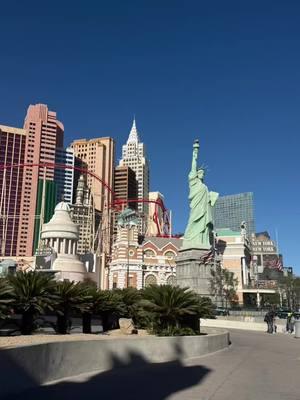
{"points": [[197, 233]]}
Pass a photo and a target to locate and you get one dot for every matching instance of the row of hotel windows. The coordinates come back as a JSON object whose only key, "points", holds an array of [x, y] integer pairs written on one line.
{"points": [[152, 254], [150, 279]]}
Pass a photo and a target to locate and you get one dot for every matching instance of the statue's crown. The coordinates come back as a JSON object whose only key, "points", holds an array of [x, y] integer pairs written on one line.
{"points": [[203, 167]]}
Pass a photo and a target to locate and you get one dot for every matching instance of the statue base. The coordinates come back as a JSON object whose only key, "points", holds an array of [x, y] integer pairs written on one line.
{"points": [[191, 272]]}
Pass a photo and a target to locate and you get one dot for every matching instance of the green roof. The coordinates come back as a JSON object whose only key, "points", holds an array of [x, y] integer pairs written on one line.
{"points": [[227, 232]]}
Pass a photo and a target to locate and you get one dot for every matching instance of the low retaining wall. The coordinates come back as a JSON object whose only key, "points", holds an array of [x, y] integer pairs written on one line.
{"points": [[233, 324], [29, 366]]}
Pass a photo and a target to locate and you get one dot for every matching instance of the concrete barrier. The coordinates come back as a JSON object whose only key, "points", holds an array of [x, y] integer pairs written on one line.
{"points": [[233, 324], [30, 366]]}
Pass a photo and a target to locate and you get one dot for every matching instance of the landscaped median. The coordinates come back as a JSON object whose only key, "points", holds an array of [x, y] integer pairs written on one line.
{"points": [[28, 366]]}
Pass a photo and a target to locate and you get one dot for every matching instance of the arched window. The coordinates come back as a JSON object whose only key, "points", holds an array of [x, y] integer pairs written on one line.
{"points": [[171, 280], [149, 253], [170, 255], [150, 280]]}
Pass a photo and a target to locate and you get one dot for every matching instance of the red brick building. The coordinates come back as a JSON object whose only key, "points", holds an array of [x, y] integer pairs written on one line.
{"points": [[140, 264]]}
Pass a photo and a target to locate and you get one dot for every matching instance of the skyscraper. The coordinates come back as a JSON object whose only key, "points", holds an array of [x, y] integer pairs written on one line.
{"points": [[99, 156], [45, 135], [230, 211], [64, 178], [125, 185], [12, 151], [134, 155]]}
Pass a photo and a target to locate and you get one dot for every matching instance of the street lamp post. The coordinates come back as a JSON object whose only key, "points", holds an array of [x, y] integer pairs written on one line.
{"points": [[144, 267], [128, 230], [256, 281], [172, 275]]}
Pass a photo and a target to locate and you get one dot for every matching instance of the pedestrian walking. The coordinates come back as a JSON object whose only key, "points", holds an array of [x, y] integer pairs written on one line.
{"points": [[289, 323], [274, 324], [292, 324], [269, 317]]}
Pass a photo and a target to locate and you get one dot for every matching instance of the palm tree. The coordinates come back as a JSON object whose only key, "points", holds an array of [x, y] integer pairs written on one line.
{"points": [[33, 294], [92, 308], [131, 299], [71, 297], [132, 308], [205, 307], [170, 306], [5, 298], [110, 307]]}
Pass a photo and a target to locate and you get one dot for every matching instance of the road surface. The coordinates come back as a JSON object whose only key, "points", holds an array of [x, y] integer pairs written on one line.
{"points": [[257, 366]]}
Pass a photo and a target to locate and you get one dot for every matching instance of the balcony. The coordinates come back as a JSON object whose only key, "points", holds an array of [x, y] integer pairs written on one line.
{"points": [[262, 284]]}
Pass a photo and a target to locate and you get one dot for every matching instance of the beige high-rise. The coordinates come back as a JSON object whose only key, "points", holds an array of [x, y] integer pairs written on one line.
{"points": [[45, 134], [99, 156]]}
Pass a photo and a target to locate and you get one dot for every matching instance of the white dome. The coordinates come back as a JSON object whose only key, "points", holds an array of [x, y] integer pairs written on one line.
{"points": [[62, 206], [61, 224]]}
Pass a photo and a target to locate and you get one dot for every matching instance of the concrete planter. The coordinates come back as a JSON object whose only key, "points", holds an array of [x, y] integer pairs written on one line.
{"points": [[31, 366]]}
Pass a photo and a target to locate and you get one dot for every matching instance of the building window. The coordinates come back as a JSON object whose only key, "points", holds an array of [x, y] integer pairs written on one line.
{"points": [[171, 280], [115, 281], [149, 253], [150, 280], [131, 253], [132, 281], [170, 255]]}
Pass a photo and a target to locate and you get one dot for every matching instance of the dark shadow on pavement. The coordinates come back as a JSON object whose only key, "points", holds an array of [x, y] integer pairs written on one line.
{"points": [[135, 379]]}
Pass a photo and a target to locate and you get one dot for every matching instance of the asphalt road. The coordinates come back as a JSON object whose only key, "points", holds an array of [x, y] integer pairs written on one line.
{"points": [[257, 366]]}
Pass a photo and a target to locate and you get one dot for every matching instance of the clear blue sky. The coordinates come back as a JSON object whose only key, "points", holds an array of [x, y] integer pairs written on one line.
{"points": [[226, 72]]}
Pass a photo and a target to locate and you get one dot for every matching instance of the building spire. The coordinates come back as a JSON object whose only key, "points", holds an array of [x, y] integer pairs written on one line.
{"points": [[133, 135]]}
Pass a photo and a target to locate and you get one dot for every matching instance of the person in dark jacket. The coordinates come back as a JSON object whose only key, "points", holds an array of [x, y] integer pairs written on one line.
{"points": [[269, 319]]}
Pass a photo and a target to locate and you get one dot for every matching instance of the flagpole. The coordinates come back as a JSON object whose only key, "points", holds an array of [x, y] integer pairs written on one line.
{"points": [[214, 254], [279, 264], [277, 242]]}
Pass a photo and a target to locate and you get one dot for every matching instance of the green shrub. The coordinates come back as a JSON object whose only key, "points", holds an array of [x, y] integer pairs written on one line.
{"points": [[175, 331], [167, 307], [5, 298]]}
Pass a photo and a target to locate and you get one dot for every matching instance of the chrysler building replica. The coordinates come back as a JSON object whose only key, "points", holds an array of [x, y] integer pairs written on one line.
{"points": [[134, 156]]}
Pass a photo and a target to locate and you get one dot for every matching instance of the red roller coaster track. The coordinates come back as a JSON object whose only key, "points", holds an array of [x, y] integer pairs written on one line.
{"points": [[162, 231]]}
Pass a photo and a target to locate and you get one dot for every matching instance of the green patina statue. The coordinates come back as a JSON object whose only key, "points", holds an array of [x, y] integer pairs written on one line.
{"points": [[127, 218], [199, 229]]}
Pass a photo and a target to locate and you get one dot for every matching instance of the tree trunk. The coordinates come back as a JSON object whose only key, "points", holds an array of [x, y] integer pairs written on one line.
{"points": [[63, 324], [27, 326], [87, 323], [104, 318]]}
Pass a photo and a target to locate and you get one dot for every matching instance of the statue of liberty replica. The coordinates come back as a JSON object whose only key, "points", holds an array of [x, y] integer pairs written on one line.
{"points": [[192, 265]]}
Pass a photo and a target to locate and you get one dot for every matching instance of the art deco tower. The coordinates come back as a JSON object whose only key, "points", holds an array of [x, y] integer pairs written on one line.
{"points": [[134, 155]]}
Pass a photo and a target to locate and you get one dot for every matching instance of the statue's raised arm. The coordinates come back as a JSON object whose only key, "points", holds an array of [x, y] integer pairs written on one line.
{"points": [[195, 156]]}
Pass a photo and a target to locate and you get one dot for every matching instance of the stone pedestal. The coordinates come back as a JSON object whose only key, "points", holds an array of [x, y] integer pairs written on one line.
{"points": [[193, 273]]}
